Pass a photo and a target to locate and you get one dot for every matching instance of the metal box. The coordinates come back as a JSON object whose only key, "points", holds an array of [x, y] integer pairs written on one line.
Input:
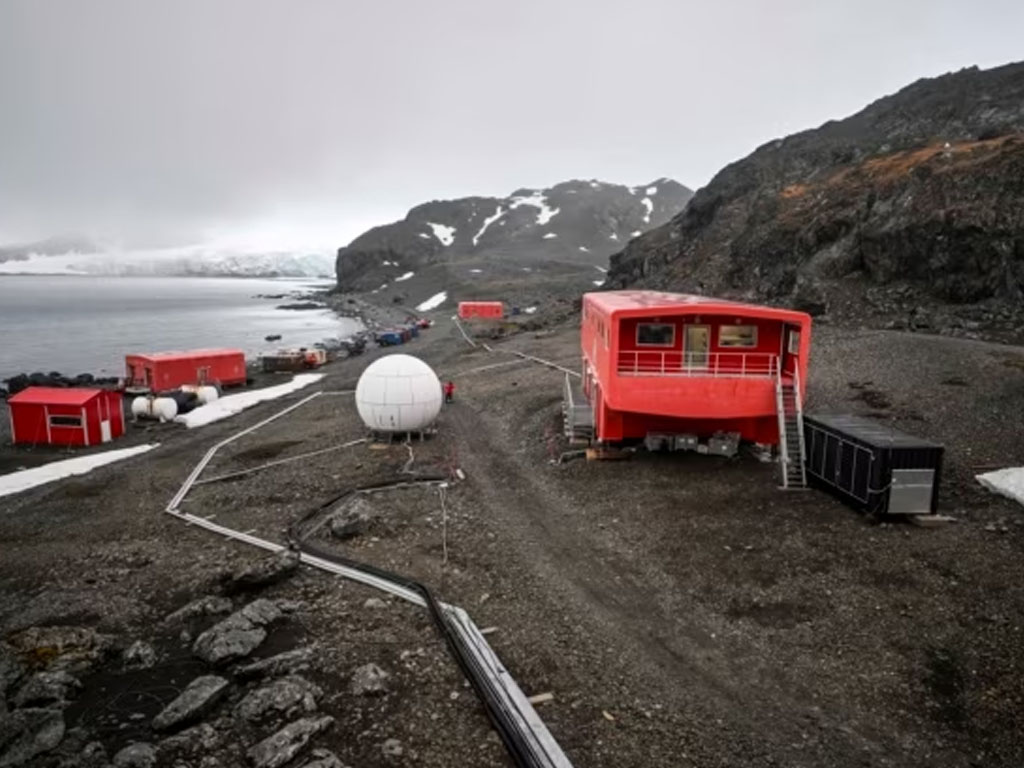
{"points": [[871, 466]]}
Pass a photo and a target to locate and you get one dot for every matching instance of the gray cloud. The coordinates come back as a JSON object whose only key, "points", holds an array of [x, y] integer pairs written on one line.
{"points": [[309, 119]]}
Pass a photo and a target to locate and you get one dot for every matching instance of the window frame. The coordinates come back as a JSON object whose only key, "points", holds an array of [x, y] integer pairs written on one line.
{"points": [[724, 345], [65, 421], [793, 335], [670, 344]]}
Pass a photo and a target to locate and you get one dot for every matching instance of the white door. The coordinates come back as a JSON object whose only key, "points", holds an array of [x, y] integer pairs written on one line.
{"points": [[105, 431]]}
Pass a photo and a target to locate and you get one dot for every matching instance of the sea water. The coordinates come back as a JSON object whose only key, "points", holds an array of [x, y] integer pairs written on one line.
{"points": [[80, 324]]}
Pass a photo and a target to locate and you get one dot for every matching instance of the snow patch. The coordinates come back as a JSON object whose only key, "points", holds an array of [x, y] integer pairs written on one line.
{"points": [[487, 222], [433, 302], [424, 235], [443, 233], [635, 233], [406, 276], [476, 271], [595, 184], [651, 191], [530, 310], [613, 236], [584, 249], [631, 190], [537, 200], [599, 283], [230, 405], [550, 236], [1007, 482], [16, 482], [650, 207], [601, 269]]}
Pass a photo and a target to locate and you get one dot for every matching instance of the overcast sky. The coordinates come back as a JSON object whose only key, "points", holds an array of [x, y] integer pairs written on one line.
{"points": [[300, 121]]}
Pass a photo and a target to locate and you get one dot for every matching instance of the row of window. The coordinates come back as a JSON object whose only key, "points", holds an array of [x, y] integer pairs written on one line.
{"points": [[664, 335]]}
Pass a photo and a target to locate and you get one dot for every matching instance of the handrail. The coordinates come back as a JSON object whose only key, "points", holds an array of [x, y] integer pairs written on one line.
{"points": [[646, 362]]}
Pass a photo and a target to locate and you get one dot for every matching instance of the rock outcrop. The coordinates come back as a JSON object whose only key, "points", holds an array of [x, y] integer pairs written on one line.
{"points": [[924, 188]]}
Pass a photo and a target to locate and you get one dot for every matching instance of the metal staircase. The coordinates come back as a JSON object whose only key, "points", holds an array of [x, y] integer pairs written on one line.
{"points": [[791, 432]]}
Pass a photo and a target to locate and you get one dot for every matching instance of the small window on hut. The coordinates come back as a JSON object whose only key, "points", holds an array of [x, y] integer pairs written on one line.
{"points": [[655, 335], [66, 421], [737, 336]]}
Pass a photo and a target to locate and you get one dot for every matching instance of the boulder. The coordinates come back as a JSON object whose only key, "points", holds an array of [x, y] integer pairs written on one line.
{"points": [[263, 573], [354, 519], [201, 696], [139, 655], [323, 758], [195, 740], [138, 755], [369, 679], [27, 733], [285, 663], [285, 697], [809, 296], [45, 689], [68, 648], [238, 635], [392, 748], [11, 668], [283, 746], [204, 606]]}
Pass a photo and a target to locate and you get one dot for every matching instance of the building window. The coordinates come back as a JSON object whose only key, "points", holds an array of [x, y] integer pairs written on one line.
{"points": [[66, 421], [737, 336], [794, 342], [655, 335]]}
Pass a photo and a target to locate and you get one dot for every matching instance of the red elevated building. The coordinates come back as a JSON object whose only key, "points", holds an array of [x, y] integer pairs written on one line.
{"points": [[692, 367]]}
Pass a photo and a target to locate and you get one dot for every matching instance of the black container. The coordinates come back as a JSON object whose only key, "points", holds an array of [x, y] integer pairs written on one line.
{"points": [[871, 466]]}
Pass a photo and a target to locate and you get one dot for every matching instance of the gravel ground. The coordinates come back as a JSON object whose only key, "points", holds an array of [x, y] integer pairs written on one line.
{"points": [[681, 609]]}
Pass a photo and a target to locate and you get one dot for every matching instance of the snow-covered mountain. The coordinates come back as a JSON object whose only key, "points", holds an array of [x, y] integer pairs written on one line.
{"points": [[193, 261], [575, 222]]}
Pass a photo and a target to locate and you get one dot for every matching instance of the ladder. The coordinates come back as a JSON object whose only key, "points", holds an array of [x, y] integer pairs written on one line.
{"points": [[791, 432]]}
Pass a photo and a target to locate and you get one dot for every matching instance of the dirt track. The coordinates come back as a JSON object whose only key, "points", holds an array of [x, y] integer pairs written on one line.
{"points": [[681, 608]]}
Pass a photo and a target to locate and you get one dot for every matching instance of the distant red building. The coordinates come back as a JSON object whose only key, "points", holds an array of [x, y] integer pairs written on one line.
{"points": [[169, 370], [54, 416], [491, 310]]}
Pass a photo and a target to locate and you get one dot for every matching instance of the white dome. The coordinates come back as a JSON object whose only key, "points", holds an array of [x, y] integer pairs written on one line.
{"points": [[398, 393]]}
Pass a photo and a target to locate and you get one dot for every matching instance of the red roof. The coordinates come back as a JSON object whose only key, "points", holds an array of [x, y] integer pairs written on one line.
{"points": [[643, 303], [188, 354], [54, 396]]}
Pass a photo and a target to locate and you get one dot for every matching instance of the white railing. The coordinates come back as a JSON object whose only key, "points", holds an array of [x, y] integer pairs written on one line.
{"points": [[644, 362]]}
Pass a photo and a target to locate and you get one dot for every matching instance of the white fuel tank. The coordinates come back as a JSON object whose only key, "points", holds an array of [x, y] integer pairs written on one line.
{"points": [[162, 408]]}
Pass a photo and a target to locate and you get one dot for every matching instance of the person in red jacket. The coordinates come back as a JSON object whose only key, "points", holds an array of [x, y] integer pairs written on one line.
{"points": [[449, 391]]}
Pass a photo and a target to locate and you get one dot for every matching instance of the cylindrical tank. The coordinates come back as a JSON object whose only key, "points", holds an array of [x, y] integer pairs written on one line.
{"points": [[163, 408], [204, 393], [398, 393]]}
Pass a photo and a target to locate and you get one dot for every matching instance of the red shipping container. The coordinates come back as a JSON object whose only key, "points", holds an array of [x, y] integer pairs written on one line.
{"points": [[53, 416], [162, 371], [492, 310]]}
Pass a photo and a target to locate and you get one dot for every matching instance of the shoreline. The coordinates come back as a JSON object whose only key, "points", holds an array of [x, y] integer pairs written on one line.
{"points": [[293, 291]]}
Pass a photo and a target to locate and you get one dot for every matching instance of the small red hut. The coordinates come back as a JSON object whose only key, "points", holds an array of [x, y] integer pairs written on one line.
{"points": [[53, 416], [489, 310], [161, 371]]}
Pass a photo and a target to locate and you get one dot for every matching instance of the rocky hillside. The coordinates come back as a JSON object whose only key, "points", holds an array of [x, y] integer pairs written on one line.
{"points": [[579, 222], [912, 209]]}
